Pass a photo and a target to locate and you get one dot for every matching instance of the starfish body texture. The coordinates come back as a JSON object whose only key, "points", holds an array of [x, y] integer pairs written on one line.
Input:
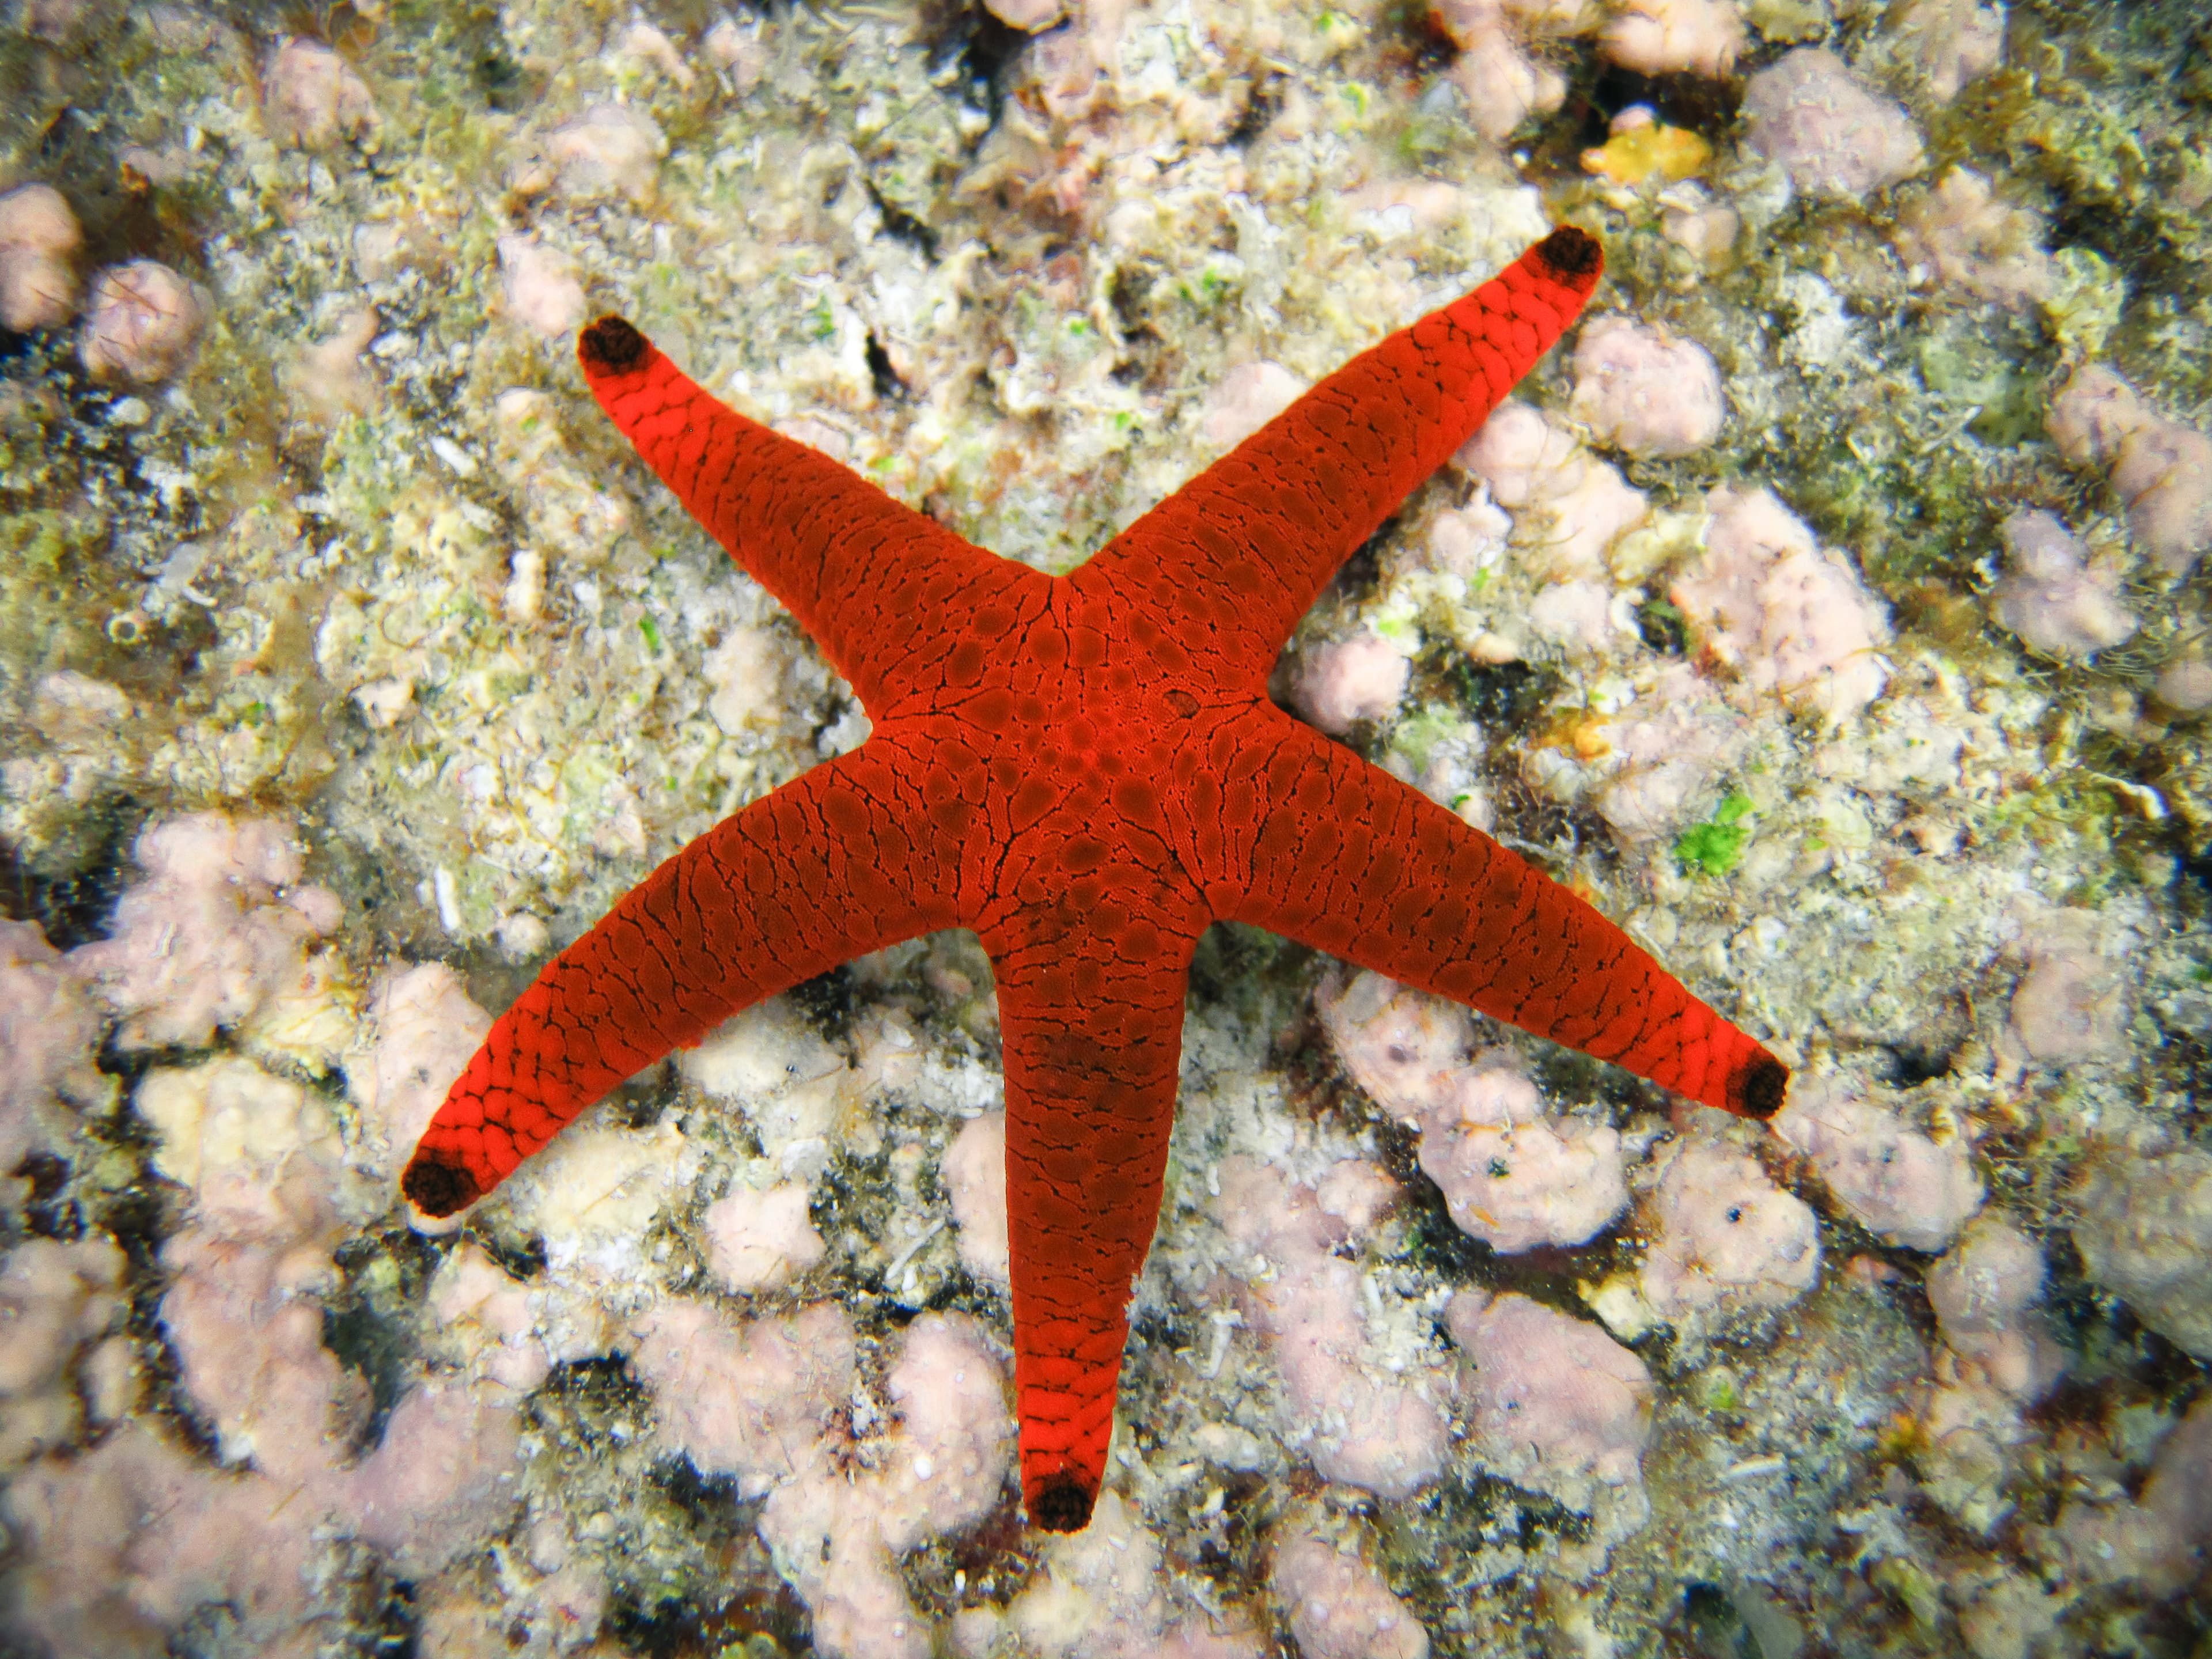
{"points": [[1086, 771]]}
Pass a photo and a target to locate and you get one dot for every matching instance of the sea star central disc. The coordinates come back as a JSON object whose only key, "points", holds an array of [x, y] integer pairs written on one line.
{"points": [[1085, 770]]}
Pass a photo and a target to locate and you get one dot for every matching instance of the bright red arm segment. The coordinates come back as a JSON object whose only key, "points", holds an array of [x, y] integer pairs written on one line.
{"points": [[1093, 1043], [1224, 568], [857, 568], [1331, 851], [831, 866]]}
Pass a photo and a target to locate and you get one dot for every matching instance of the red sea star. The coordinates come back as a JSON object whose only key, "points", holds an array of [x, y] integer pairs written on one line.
{"points": [[1086, 771]]}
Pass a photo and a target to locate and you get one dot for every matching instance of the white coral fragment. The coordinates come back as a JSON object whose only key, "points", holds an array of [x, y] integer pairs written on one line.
{"points": [[1100, 1596], [1728, 1238], [1505, 84], [1663, 753], [540, 285], [764, 1400], [1510, 1177], [1362, 1426], [39, 235], [312, 97], [1338, 1605], [1983, 1291], [421, 1029], [47, 1030], [221, 931], [260, 1156], [2071, 1004], [1963, 235], [1665, 37], [1568, 507], [748, 1399], [2144, 1229], [1028, 15], [1513, 1175], [1895, 1181], [54, 1299], [142, 326], [835, 1537], [608, 149], [759, 1241], [1346, 680], [1790, 616], [2161, 469], [2050, 597], [794, 1086], [1949, 42], [1834, 136], [1645, 391], [329, 378], [1553, 1403], [122, 1545], [1249, 396], [974, 1171], [593, 1194]]}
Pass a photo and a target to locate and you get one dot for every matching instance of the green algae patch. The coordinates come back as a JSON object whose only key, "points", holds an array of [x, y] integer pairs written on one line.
{"points": [[1711, 848]]}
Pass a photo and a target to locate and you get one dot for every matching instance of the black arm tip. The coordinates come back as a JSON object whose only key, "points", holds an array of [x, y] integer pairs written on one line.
{"points": [[438, 1190], [1573, 253], [610, 346], [1762, 1087], [1062, 1506]]}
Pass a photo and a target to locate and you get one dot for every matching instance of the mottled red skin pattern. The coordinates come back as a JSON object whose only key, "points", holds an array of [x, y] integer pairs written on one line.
{"points": [[1086, 771]]}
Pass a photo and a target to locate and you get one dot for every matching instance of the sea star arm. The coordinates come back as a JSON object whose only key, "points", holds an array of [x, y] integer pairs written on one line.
{"points": [[864, 574], [1223, 569], [1337, 854], [827, 867], [1092, 1037]]}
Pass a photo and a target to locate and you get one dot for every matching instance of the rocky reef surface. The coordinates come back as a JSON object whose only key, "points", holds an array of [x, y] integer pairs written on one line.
{"points": [[1828, 610]]}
